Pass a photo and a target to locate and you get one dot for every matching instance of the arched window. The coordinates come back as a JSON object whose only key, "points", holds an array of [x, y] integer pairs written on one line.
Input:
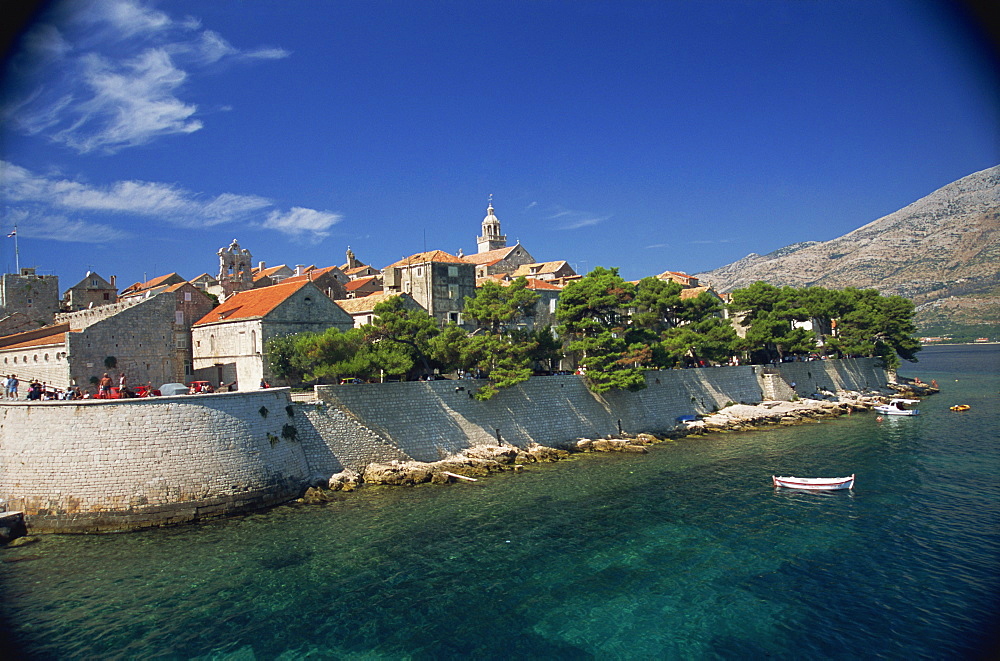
{"points": [[211, 344], [253, 342]]}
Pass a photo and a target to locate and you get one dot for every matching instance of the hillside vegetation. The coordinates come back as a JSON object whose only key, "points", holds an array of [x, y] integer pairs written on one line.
{"points": [[942, 252]]}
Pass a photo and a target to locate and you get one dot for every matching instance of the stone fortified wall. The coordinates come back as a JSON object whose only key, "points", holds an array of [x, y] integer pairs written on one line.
{"points": [[112, 465], [118, 464]]}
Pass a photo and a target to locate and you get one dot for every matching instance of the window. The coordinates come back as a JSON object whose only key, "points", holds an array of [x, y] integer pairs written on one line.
{"points": [[187, 297], [107, 296], [452, 271], [419, 272], [452, 291], [455, 317], [253, 341], [179, 318], [93, 282], [552, 305]]}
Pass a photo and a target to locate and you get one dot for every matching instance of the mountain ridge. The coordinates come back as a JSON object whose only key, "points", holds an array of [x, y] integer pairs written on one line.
{"points": [[942, 247]]}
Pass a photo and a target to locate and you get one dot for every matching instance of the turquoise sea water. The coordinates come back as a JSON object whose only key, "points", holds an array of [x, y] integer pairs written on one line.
{"points": [[684, 553]]}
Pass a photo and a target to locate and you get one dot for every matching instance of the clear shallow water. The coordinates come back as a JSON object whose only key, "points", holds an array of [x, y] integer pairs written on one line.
{"points": [[686, 552]]}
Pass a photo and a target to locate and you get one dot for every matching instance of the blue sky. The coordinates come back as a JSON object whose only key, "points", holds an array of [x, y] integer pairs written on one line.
{"points": [[137, 138]]}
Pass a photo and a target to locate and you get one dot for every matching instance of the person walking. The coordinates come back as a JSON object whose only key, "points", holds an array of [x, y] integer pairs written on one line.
{"points": [[12, 388]]}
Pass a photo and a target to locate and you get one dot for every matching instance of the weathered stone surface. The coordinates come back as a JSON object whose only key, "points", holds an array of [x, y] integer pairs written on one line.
{"points": [[400, 474], [345, 480]]}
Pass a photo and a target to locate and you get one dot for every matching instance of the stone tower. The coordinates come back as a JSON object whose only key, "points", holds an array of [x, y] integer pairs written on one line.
{"points": [[491, 239], [234, 269]]}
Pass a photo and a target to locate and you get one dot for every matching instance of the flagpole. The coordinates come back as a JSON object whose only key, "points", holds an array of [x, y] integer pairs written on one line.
{"points": [[17, 253]]}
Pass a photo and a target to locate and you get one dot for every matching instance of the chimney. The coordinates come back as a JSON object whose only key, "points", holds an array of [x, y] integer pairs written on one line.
{"points": [[300, 269], [113, 278], [261, 266]]}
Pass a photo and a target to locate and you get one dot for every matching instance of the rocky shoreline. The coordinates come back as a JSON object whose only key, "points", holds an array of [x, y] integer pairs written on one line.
{"points": [[484, 460]]}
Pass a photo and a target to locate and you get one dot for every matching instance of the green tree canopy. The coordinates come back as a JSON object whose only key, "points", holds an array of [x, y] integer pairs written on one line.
{"points": [[593, 316]]}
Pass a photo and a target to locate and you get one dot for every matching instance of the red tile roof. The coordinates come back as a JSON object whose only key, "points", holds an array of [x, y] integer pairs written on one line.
{"points": [[535, 283], [490, 256], [429, 256], [311, 274], [252, 304], [358, 283], [149, 284], [365, 303], [37, 337]]}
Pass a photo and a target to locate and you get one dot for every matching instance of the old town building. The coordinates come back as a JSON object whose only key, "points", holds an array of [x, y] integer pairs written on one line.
{"points": [[437, 280], [144, 336], [228, 342], [92, 291], [35, 296]]}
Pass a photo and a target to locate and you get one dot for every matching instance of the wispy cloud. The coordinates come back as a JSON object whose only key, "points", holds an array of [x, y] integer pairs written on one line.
{"points": [[306, 223], [531, 206], [63, 229], [584, 222], [115, 77], [574, 219], [45, 201], [657, 245]]}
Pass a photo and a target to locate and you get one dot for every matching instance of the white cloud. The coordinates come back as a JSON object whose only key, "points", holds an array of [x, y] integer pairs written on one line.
{"points": [[115, 76], [299, 222], [657, 245], [584, 221], [130, 104], [170, 204], [63, 229]]}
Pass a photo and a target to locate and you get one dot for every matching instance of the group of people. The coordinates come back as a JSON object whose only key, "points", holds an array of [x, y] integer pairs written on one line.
{"points": [[42, 391], [10, 384], [38, 390]]}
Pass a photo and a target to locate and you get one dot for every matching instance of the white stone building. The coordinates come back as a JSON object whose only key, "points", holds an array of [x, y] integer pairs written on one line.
{"points": [[228, 342]]}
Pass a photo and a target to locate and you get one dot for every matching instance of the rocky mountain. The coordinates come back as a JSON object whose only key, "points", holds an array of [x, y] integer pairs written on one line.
{"points": [[942, 252]]}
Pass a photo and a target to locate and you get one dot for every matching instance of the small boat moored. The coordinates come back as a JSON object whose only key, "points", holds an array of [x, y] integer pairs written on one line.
{"points": [[897, 406], [960, 407], [814, 483]]}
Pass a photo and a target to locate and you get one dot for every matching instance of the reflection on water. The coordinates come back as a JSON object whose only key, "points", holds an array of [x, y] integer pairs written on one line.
{"points": [[686, 552]]}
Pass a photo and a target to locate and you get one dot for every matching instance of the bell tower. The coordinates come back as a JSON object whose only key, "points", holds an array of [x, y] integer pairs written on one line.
{"points": [[234, 269], [491, 239]]}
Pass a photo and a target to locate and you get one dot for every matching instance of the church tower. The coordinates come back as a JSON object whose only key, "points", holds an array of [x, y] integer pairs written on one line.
{"points": [[491, 239], [234, 270]]}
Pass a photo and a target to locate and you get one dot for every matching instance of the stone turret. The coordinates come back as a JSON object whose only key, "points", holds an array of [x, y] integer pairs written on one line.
{"points": [[491, 239]]}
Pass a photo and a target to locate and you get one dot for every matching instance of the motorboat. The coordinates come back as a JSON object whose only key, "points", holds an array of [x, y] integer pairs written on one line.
{"points": [[897, 406], [814, 483], [960, 407]]}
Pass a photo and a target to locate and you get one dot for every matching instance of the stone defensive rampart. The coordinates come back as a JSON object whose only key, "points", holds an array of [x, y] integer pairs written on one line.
{"points": [[113, 465], [118, 464]]}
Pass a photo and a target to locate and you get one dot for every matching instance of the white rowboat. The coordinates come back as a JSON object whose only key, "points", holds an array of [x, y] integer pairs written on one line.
{"points": [[814, 483]]}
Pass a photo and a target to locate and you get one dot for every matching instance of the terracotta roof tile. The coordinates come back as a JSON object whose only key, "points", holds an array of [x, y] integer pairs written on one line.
{"points": [[311, 274], [490, 256], [357, 283], [252, 304], [37, 337], [429, 256], [365, 303], [538, 267]]}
